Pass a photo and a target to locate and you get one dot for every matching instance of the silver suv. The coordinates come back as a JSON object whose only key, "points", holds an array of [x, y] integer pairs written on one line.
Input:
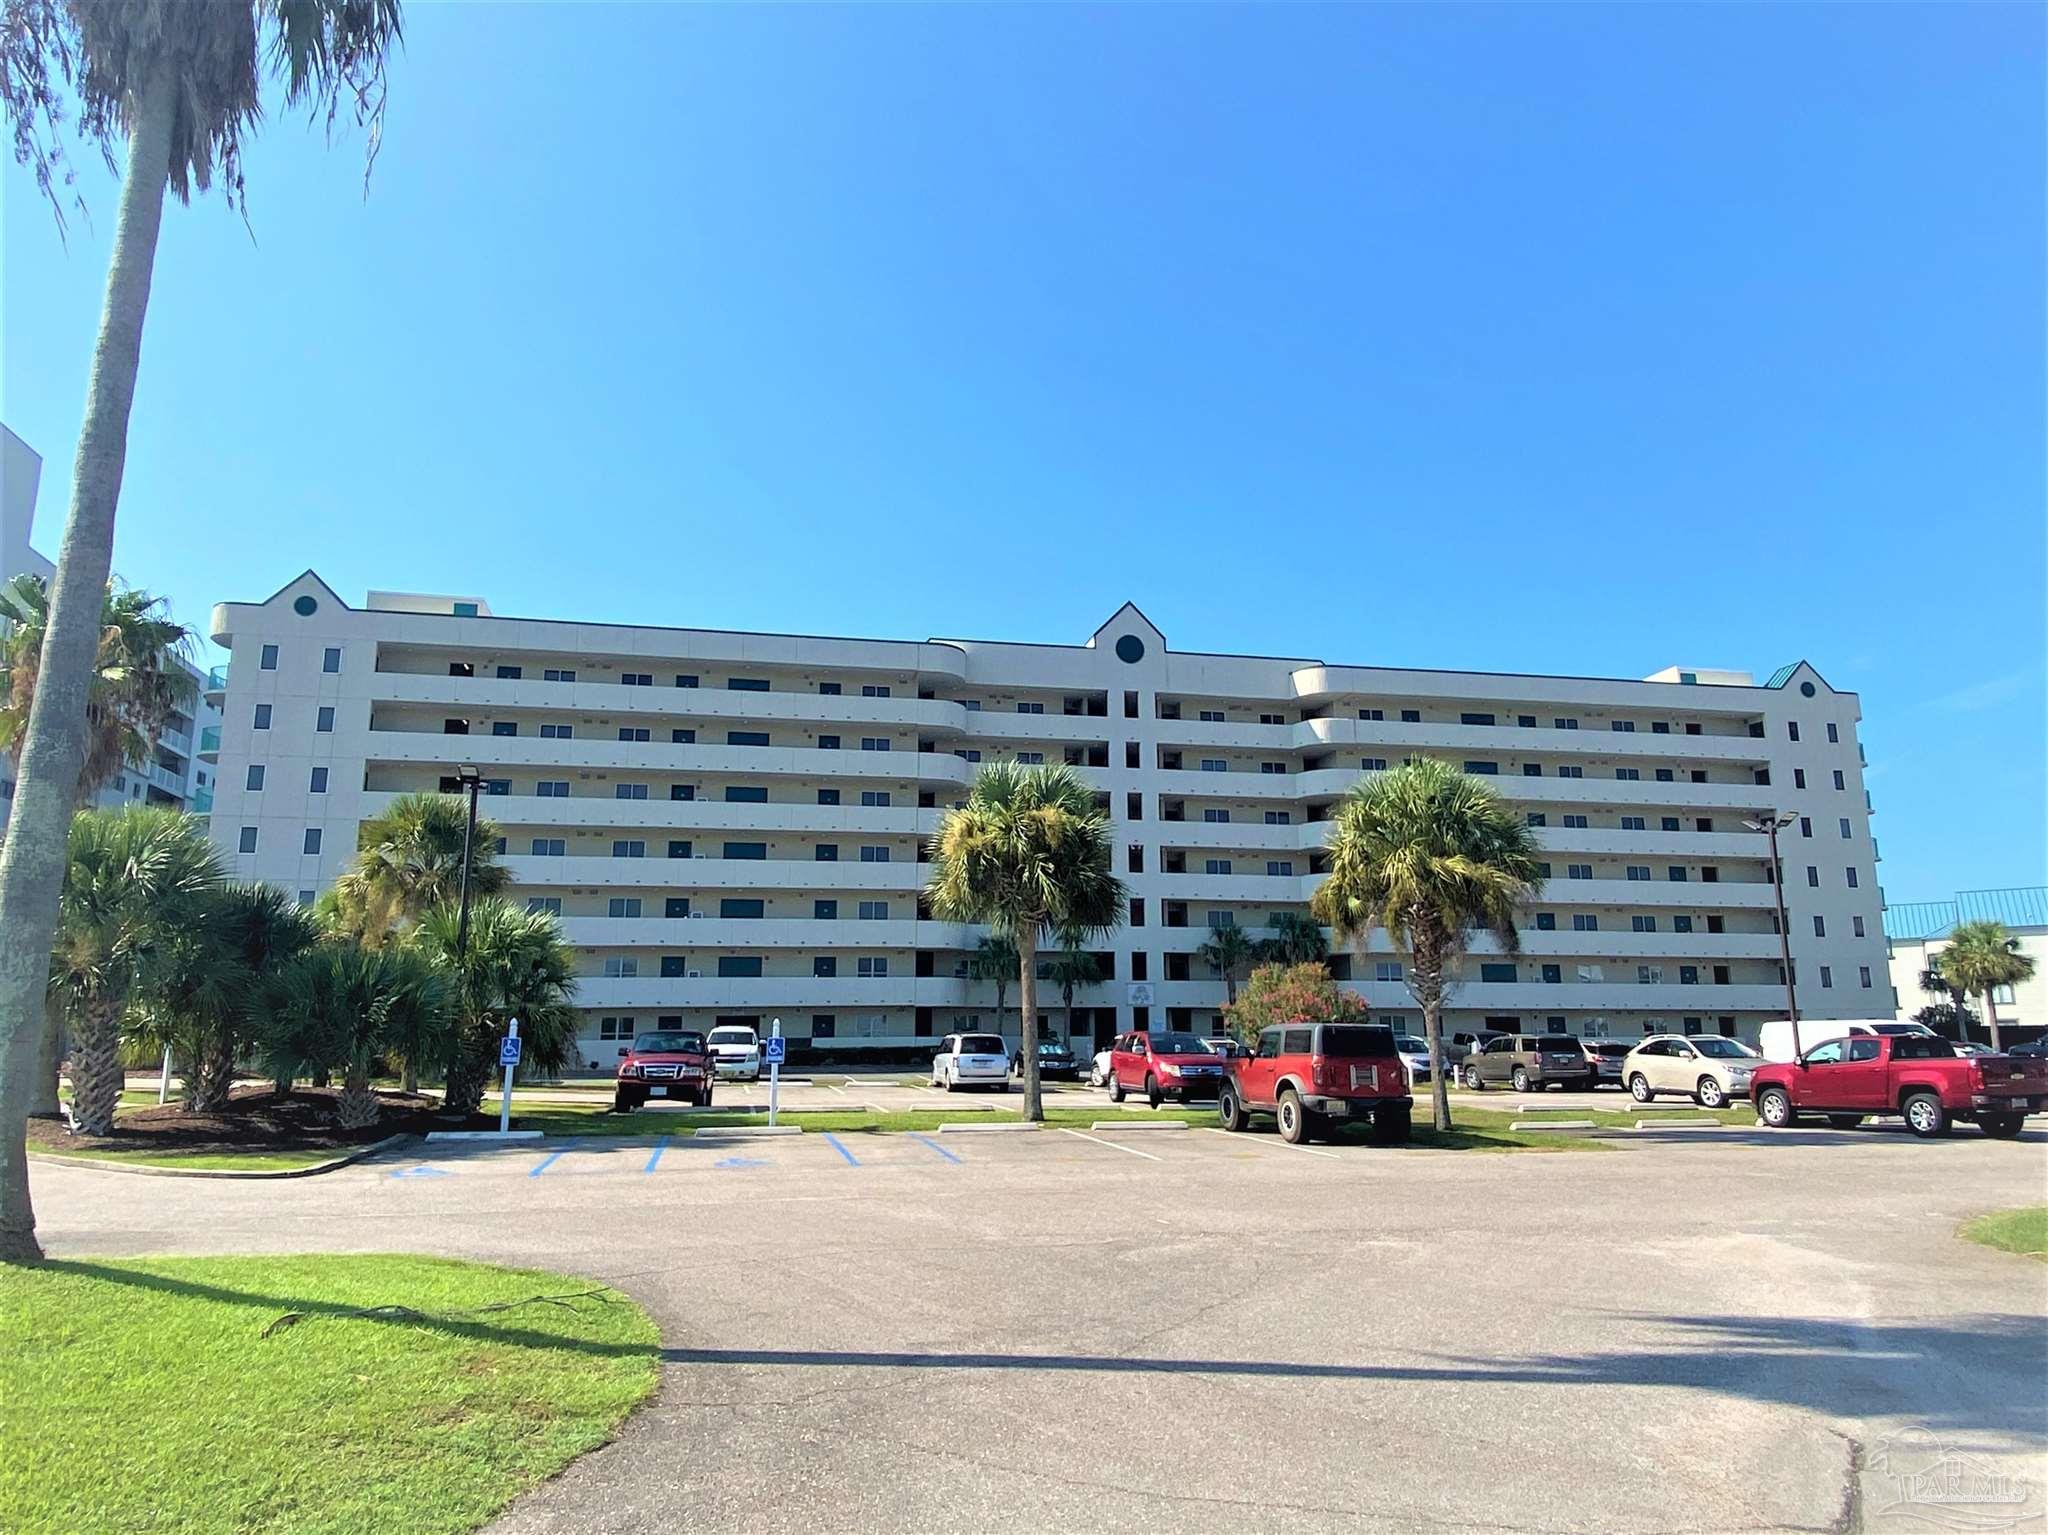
{"points": [[1530, 1062]]}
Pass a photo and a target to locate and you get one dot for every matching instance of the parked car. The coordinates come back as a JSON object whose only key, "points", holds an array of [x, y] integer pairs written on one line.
{"points": [[1225, 1046], [2036, 1047], [971, 1060], [1917, 1075], [1307, 1075], [1054, 1060], [1098, 1068], [1607, 1056], [665, 1064], [1774, 1039], [1972, 1049], [1530, 1063], [1706, 1068], [736, 1051], [1414, 1055], [1162, 1064]]}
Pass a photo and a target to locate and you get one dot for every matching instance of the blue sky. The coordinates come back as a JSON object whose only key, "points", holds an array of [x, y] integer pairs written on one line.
{"points": [[1557, 338]]}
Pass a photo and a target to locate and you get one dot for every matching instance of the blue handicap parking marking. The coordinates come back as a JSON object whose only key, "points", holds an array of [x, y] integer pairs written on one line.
{"points": [[421, 1171], [550, 1160], [740, 1162], [834, 1142], [925, 1140], [654, 1159]]}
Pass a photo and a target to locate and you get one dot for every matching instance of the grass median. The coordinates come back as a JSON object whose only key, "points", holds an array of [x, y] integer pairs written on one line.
{"points": [[198, 1161], [2023, 1231], [316, 1395]]}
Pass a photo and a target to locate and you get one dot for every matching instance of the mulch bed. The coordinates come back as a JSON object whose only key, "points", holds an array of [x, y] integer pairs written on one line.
{"points": [[253, 1120]]}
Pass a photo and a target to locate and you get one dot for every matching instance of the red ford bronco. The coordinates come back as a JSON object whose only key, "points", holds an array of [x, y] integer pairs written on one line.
{"points": [[1307, 1075]]}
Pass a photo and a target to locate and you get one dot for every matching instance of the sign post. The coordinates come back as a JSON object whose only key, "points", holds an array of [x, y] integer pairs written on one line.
{"points": [[508, 1057], [775, 1048]]}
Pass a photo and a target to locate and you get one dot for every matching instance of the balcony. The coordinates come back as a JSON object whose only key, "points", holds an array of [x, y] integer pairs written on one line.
{"points": [[209, 743], [745, 935], [504, 696], [216, 684], [770, 993], [657, 876], [598, 812], [664, 759]]}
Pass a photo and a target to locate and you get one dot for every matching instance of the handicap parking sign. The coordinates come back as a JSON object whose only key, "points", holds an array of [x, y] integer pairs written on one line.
{"points": [[508, 1050], [772, 1049]]}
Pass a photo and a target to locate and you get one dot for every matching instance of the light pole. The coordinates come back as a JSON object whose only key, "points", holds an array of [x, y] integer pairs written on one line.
{"points": [[1773, 824], [471, 779]]}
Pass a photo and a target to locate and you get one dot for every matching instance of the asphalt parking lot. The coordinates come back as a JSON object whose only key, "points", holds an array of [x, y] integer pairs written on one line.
{"points": [[1188, 1330]]}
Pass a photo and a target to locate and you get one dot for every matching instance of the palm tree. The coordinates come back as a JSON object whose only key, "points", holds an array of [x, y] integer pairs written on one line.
{"points": [[515, 966], [1027, 852], [1981, 957], [340, 1005], [135, 687], [180, 87], [1429, 854], [994, 960], [1226, 952], [1073, 966], [409, 861], [1295, 940], [135, 882]]}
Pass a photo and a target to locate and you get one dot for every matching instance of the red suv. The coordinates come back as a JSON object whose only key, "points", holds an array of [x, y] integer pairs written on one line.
{"points": [[669, 1063], [1162, 1063], [1307, 1074]]}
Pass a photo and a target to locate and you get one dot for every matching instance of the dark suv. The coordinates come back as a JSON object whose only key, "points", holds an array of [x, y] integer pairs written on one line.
{"points": [[1530, 1062]]}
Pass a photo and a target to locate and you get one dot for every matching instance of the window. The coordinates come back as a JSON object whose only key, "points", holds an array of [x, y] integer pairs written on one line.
{"points": [[1411, 716], [824, 911], [1843, 824], [739, 966], [248, 844], [312, 840], [557, 732], [1484, 768], [262, 716], [1031, 759], [635, 733], [750, 851], [1216, 866], [318, 783], [1538, 818], [615, 1028], [629, 847], [1856, 926], [1272, 719], [1660, 728], [1827, 977], [549, 905], [1633, 823], [1272, 767], [682, 737], [874, 743], [1792, 729], [1688, 975], [824, 966], [1649, 975], [746, 738], [685, 680], [255, 779], [636, 679], [1638, 871], [1565, 723], [870, 967], [629, 791], [1675, 873], [1571, 770], [747, 684], [509, 673], [874, 854], [557, 674], [828, 796], [742, 907], [673, 967], [1585, 922], [678, 849], [1221, 919], [1525, 721], [1216, 817], [1575, 822], [1280, 866], [1664, 776], [1628, 775], [1625, 727], [828, 743], [1863, 974], [323, 719], [874, 690], [1799, 778], [330, 659], [504, 727], [1030, 708], [1211, 716], [1372, 714], [268, 660], [1585, 871], [616, 968], [826, 852], [1850, 874], [1387, 970], [1546, 921], [1806, 826], [1553, 975], [1498, 973], [1214, 765], [874, 798], [1813, 876], [1372, 764], [676, 906], [549, 847], [1642, 924], [1668, 823], [1532, 770], [552, 788], [1840, 781], [874, 911]]}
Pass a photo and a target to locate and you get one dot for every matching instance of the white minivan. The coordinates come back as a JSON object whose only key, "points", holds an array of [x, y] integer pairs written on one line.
{"points": [[1775, 1038]]}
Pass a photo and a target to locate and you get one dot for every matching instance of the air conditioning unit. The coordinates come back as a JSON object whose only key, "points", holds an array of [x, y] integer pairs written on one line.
{"points": [[694, 975], [695, 915]]}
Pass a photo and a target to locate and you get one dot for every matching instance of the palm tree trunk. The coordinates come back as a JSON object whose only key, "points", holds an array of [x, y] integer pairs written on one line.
{"points": [[412, 1075], [213, 1074], [49, 1063], [1991, 1017], [96, 1074], [1426, 981], [1067, 996], [32, 861], [358, 1103], [1027, 1007]]}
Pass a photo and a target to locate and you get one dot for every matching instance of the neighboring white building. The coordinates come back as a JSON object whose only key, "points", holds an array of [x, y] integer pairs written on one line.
{"points": [[173, 776], [730, 824], [1917, 931]]}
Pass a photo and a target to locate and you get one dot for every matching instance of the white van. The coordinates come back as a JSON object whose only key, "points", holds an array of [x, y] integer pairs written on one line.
{"points": [[1775, 1038]]}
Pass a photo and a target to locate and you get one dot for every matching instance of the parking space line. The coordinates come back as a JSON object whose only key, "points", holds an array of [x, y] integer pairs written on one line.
{"points": [[1314, 1151], [551, 1159], [1112, 1145], [834, 1142], [942, 1151], [654, 1160]]}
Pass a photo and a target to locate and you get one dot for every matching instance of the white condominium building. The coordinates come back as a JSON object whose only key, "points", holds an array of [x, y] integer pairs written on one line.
{"points": [[730, 825]]}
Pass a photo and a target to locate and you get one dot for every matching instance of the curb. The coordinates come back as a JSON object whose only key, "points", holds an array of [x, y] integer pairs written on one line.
{"points": [[1139, 1124], [743, 1132], [484, 1135], [332, 1164], [1681, 1124], [1551, 1124], [971, 1128]]}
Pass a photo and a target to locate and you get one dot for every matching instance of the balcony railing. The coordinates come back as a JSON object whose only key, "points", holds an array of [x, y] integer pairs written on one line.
{"points": [[217, 679], [209, 740]]}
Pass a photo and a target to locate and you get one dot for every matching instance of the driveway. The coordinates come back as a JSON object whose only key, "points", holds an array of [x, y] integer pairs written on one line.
{"points": [[1187, 1330]]}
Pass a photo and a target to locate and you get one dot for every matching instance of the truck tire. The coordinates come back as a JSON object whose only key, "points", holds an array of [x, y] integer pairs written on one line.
{"points": [[1152, 1093], [1296, 1126], [704, 1099], [1925, 1116], [623, 1102], [1390, 1124], [1472, 1079], [1521, 1080], [1774, 1108], [2002, 1127], [1639, 1088], [1116, 1089], [1708, 1093], [1845, 1121], [1230, 1109]]}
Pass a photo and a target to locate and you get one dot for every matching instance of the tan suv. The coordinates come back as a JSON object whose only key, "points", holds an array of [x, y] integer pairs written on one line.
{"points": [[1706, 1068], [1529, 1062]]}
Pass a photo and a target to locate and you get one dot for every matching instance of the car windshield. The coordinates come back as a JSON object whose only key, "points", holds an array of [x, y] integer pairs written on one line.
{"points": [[1180, 1044], [1051, 1047], [1612, 1049], [1921, 1047], [981, 1044], [651, 1044], [1355, 1039], [1408, 1044], [1898, 1028], [1723, 1049], [732, 1036], [1564, 1042]]}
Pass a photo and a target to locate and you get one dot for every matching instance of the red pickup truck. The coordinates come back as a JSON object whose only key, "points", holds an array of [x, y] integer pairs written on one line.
{"points": [[669, 1063], [1918, 1075], [1308, 1074]]}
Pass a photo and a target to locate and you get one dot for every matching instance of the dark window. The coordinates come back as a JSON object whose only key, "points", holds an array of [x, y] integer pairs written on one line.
{"points": [[747, 685], [824, 911], [745, 794], [746, 966], [676, 906], [262, 717], [746, 738], [255, 778], [828, 796], [750, 850], [323, 721], [268, 660], [682, 737], [684, 680], [508, 674], [1497, 972], [682, 791], [330, 659], [741, 906], [679, 850], [672, 966], [319, 782]]}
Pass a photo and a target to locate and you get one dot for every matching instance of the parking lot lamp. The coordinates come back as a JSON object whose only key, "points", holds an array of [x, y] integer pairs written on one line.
{"points": [[472, 779], [1772, 824]]}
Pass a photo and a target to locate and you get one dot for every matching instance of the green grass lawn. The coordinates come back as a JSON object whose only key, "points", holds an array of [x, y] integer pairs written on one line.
{"points": [[142, 1395], [202, 1161], [2023, 1231]]}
